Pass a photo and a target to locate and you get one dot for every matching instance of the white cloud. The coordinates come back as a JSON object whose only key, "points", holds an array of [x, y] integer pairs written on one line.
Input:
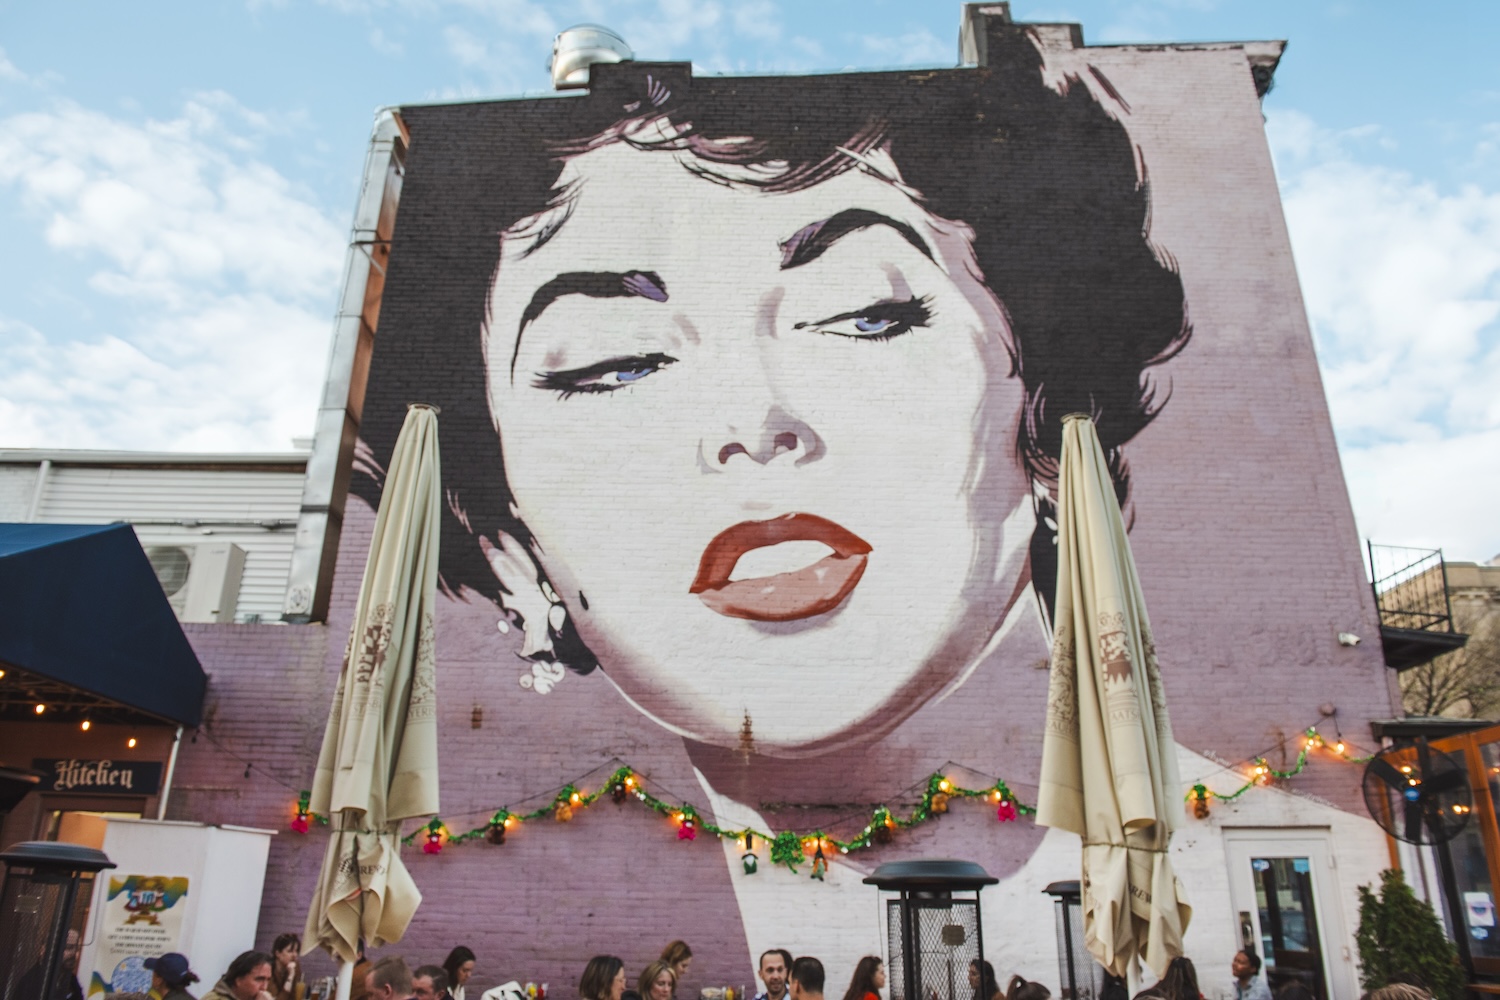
{"points": [[9, 70], [916, 47], [221, 278], [1402, 282]]}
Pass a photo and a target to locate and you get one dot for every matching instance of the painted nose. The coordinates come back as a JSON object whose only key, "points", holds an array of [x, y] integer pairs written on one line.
{"points": [[780, 434]]}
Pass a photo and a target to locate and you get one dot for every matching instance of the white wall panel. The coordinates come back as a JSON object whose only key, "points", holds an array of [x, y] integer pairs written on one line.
{"points": [[88, 494]]}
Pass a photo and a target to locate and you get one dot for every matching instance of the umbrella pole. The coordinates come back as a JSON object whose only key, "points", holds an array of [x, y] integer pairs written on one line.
{"points": [[346, 979]]}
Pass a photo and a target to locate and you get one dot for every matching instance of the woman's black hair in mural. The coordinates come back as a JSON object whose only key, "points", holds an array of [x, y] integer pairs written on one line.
{"points": [[1050, 183]]}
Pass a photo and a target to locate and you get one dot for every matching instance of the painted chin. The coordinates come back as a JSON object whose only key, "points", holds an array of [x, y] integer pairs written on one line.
{"points": [[787, 596]]}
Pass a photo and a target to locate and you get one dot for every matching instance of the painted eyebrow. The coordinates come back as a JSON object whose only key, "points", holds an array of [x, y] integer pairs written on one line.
{"points": [[813, 240], [595, 285]]}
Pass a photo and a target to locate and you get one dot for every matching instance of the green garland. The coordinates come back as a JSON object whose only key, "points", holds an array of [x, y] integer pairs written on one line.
{"points": [[792, 849], [788, 848], [1262, 772]]}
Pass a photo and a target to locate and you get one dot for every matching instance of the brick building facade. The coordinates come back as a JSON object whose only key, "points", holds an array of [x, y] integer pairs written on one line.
{"points": [[1242, 527]]}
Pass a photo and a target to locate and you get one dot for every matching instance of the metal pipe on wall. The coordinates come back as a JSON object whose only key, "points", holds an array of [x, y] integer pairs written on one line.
{"points": [[42, 472], [166, 785]]}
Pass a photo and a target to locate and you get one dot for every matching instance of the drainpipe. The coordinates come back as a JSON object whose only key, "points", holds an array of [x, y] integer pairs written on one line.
{"points": [[42, 472], [166, 788]]}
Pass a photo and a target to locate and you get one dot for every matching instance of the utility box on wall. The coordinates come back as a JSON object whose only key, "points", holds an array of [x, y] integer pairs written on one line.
{"points": [[202, 582], [182, 887]]}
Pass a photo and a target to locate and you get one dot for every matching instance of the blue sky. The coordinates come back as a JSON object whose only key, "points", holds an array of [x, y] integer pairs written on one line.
{"points": [[177, 181]]}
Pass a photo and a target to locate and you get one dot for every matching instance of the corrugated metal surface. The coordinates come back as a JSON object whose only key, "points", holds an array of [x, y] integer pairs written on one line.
{"points": [[92, 494], [17, 483]]}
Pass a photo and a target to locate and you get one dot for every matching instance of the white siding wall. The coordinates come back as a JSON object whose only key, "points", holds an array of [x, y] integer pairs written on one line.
{"points": [[17, 483], [83, 494]]}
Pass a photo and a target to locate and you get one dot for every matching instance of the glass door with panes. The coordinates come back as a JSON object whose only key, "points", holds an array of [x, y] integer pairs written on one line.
{"points": [[1284, 887], [1475, 851]]}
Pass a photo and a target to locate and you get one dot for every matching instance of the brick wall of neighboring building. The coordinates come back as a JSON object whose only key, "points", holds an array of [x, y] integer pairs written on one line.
{"points": [[1242, 528]]}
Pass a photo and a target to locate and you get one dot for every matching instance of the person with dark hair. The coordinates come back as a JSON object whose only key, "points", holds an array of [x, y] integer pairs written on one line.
{"points": [[429, 982], [868, 979], [1249, 984], [459, 966], [833, 402], [286, 975], [171, 976], [679, 956], [775, 965], [806, 979], [247, 977], [1021, 988], [982, 980], [66, 985], [603, 979], [989, 338]]}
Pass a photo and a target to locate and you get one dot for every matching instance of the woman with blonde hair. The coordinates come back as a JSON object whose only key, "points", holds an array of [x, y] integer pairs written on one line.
{"points": [[657, 982]]}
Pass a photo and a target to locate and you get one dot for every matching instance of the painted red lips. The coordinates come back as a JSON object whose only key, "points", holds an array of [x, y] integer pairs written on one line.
{"points": [[783, 597]]}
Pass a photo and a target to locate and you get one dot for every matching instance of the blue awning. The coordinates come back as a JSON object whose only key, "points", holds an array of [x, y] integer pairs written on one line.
{"points": [[80, 605]]}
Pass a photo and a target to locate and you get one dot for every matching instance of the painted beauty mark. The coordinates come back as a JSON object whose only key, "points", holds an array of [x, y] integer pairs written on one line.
{"points": [[784, 596]]}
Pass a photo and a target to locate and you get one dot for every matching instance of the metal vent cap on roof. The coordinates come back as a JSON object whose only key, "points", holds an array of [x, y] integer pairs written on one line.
{"points": [[577, 48]]}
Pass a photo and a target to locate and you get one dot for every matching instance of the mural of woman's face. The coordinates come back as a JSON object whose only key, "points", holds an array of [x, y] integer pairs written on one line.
{"points": [[765, 443]]}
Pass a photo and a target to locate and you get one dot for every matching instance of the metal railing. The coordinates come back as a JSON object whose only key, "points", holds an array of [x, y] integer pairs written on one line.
{"points": [[1411, 588]]}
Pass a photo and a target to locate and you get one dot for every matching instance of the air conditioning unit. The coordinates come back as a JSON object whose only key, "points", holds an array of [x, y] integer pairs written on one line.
{"points": [[202, 582]]}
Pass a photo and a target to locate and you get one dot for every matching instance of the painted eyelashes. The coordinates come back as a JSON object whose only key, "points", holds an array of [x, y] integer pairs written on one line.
{"points": [[604, 376], [879, 321]]}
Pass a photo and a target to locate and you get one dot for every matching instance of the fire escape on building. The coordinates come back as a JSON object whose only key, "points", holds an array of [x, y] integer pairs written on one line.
{"points": [[1411, 595]]}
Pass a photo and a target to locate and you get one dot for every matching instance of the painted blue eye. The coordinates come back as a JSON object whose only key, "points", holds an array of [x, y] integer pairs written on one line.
{"points": [[866, 325], [633, 374]]}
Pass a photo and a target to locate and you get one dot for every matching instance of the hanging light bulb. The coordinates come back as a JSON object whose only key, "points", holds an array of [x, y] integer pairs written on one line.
{"points": [[129, 743], [84, 725], [40, 708], [1339, 747]]}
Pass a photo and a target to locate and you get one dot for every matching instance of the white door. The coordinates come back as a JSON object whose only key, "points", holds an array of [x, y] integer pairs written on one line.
{"points": [[1284, 886]]}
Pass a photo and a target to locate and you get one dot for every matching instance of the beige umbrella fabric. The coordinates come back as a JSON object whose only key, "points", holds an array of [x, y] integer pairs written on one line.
{"points": [[379, 764], [1109, 766]]}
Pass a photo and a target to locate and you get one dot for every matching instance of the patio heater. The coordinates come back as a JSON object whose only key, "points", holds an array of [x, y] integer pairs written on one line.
{"points": [[932, 924], [36, 911], [1079, 976]]}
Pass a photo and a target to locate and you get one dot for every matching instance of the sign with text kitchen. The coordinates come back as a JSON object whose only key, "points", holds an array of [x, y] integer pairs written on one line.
{"points": [[99, 777]]}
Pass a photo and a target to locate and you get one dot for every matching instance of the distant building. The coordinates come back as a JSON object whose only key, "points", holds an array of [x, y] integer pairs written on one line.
{"points": [[218, 528]]}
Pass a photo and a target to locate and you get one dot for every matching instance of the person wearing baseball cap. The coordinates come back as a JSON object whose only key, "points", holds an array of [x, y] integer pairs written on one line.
{"points": [[170, 976]]}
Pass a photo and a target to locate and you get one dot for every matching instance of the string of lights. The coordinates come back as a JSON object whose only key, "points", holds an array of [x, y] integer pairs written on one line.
{"points": [[792, 848]]}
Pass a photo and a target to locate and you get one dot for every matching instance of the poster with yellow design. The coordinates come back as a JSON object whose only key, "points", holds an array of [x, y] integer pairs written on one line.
{"points": [[142, 919]]}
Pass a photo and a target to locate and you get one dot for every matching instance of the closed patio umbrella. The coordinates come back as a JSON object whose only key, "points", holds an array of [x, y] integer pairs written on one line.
{"points": [[378, 764], [1109, 767]]}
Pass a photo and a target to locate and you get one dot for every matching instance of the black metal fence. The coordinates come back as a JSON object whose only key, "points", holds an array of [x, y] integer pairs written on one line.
{"points": [[1411, 588]]}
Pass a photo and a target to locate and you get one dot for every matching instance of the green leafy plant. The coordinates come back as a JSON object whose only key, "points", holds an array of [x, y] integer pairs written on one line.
{"points": [[1400, 933]]}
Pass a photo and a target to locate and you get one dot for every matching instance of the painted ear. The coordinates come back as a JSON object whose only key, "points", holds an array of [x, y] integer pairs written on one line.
{"points": [[526, 596]]}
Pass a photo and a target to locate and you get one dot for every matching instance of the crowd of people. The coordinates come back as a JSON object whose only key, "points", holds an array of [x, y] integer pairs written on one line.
{"points": [[277, 975]]}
